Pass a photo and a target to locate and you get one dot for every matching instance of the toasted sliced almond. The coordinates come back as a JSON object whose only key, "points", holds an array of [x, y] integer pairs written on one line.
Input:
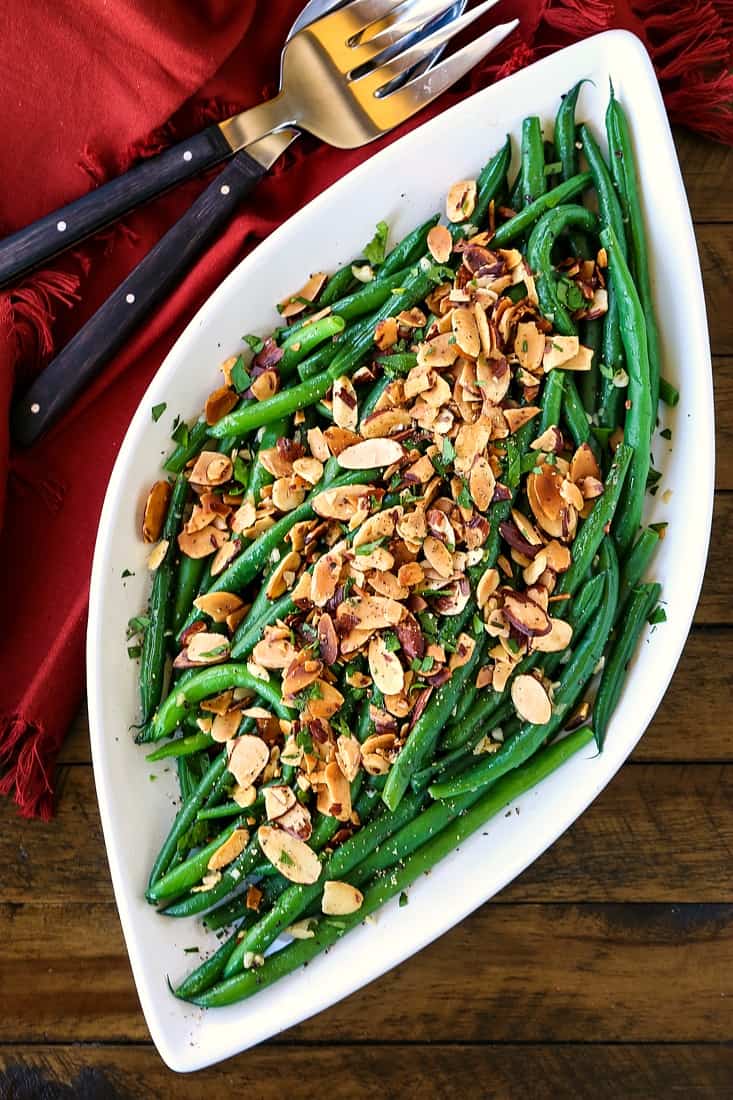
{"points": [[583, 464], [334, 796], [341, 502], [211, 468], [287, 493], [340, 899], [219, 403], [278, 800], [530, 699], [384, 422], [481, 483], [379, 526], [370, 612], [386, 333], [374, 764], [274, 652], [310, 469], [463, 652], [529, 345], [156, 507], [157, 555], [559, 350], [439, 557], [297, 821], [486, 586], [227, 852], [248, 756], [558, 639], [440, 351], [465, 330], [345, 404], [226, 726], [283, 576], [218, 605], [289, 855], [385, 667], [553, 514], [302, 299], [244, 517], [318, 445], [582, 360], [517, 418], [207, 649], [371, 453], [327, 702], [265, 385], [276, 461], [348, 756], [325, 578], [461, 200], [226, 552], [440, 244]]}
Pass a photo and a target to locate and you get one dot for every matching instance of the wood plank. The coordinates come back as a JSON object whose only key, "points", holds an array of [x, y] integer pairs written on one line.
{"points": [[705, 165], [522, 973], [716, 601], [723, 386], [657, 833], [412, 1072], [715, 247]]}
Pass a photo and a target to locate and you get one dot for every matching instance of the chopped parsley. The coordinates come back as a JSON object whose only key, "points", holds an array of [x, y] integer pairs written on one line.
{"points": [[659, 615], [391, 641], [403, 900], [127, 573], [254, 342], [376, 250], [240, 379], [181, 433], [157, 411]]}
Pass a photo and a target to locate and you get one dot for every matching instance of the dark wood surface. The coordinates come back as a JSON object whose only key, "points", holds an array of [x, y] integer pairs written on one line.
{"points": [[606, 970]]}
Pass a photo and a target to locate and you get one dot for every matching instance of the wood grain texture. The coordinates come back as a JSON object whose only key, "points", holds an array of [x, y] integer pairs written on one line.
{"points": [[634, 843], [706, 165], [522, 972], [410, 1072]]}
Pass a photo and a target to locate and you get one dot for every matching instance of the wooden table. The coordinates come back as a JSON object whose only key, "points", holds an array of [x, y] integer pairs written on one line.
{"points": [[606, 970]]}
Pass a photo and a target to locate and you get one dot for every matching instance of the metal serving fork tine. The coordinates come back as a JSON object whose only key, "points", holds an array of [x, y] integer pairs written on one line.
{"points": [[381, 75]]}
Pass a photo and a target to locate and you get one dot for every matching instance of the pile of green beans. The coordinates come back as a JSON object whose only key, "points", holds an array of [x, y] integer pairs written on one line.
{"points": [[443, 784]]}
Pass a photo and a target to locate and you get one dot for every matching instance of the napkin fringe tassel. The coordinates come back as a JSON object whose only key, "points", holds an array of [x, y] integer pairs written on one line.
{"points": [[27, 756]]}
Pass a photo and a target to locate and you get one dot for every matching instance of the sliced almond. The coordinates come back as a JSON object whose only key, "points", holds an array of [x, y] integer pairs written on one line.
{"points": [[529, 345], [384, 422], [244, 517], [226, 552], [530, 699], [318, 445], [465, 330], [207, 649], [219, 403], [334, 796], [326, 702], [440, 244], [340, 899], [345, 404], [379, 526], [265, 385], [302, 299], [289, 855], [582, 360], [348, 756], [439, 557], [340, 503], [338, 439], [226, 726], [325, 578], [156, 507], [559, 350], [517, 418], [297, 821], [283, 576], [461, 200], [218, 605], [157, 555], [386, 333], [248, 756], [309, 469], [287, 494], [211, 468], [385, 667], [440, 351], [583, 464], [481, 483], [486, 586], [558, 639], [274, 652], [278, 800], [371, 453], [370, 612], [227, 852]]}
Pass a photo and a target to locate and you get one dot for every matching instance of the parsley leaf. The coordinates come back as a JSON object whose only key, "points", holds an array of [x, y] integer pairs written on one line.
{"points": [[254, 342], [157, 411], [240, 379], [180, 433], [376, 249], [659, 615]]}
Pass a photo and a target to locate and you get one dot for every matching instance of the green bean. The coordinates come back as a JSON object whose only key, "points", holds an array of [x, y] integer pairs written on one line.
{"points": [[640, 607], [594, 528], [640, 415], [152, 658], [184, 452], [526, 218], [410, 249], [212, 681], [185, 781], [423, 733], [337, 286], [623, 169], [369, 403], [227, 809], [187, 874], [575, 676], [182, 746], [457, 758], [490, 180], [552, 395], [636, 563], [186, 815], [188, 579], [316, 363], [371, 296], [591, 337], [405, 873], [565, 140], [346, 361], [209, 972], [296, 898], [576, 417], [263, 612], [534, 182], [231, 877], [539, 256]]}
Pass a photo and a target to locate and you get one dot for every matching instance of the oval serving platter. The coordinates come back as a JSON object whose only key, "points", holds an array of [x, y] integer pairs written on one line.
{"points": [[403, 184]]}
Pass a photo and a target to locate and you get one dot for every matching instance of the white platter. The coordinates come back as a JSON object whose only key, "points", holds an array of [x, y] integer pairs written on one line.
{"points": [[404, 184]]}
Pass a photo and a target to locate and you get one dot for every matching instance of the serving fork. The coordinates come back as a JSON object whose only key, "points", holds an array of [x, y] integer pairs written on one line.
{"points": [[347, 77]]}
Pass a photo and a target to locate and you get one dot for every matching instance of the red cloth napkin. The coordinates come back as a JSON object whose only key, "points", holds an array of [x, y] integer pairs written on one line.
{"points": [[87, 89]]}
